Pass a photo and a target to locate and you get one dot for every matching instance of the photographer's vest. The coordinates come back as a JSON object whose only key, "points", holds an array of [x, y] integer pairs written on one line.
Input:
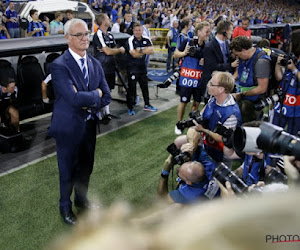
{"points": [[197, 191], [252, 169], [215, 114], [180, 39], [191, 71], [246, 79], [107, 61], [291, 102], [173, 41]]}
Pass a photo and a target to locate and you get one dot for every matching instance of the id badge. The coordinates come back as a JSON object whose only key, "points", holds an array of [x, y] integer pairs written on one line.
{"points": [[244, 75]]}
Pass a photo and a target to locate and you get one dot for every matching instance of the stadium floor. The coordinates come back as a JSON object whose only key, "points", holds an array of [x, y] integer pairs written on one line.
{"points": [[41, 147]]}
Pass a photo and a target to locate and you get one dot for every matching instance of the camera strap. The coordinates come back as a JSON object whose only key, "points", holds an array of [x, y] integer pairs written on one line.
{"points": [[284, 91], [258, 56]]}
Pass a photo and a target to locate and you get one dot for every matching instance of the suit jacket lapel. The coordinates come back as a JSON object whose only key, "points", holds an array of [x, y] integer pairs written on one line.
{"points": [[72, 64], [227, 47], [217, 46], [91, 72]]}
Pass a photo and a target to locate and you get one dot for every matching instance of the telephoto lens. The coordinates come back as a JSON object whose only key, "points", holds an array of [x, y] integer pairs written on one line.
{"points": [[268, 101], [275, 176], [222, 173], [168, 82]]}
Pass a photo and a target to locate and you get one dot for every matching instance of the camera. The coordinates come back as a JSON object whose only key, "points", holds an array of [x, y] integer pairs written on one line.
{"points": [[193, 51], [178, 156], [168, 82], [267, 137], [268, 101], [286, 59], [275, 176], [227, 134], [222, 173], [194, 115]]}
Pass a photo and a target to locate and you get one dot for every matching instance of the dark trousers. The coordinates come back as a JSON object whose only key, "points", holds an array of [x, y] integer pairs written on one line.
{"points": [[75, 164], [143, 81], [292, 123], [170, 53]]}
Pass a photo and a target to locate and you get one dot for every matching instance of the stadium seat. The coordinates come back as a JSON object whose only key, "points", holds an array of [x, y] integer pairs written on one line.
{"points": [[49, 59], [30, 75], [6, 70]]}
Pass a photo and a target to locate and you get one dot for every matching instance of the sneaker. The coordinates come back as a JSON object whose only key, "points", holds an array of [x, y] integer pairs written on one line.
{"points": [[177, 131], [131, 112], [137, 101], [106, 119], [150, 108]]}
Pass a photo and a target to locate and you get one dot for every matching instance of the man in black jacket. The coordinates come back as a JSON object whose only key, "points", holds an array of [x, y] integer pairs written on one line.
{"points": [[217, 53]]}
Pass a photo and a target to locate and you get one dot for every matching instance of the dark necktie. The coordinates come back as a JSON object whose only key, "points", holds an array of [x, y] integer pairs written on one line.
{"points": [[224, 52], [84, 72]]}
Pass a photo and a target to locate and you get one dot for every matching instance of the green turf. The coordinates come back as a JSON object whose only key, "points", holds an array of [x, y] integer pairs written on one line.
{"points": [[127, 166]]}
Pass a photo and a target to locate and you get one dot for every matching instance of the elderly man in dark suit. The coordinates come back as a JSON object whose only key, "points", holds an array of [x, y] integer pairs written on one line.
{"points": [[217, 52], [81, 91]]}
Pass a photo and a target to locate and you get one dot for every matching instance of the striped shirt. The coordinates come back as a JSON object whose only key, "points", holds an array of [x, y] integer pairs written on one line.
{"points": [[37, 25]]}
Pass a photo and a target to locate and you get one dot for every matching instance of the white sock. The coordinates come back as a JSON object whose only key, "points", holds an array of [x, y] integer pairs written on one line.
{"points": [[106, 110], [271, 115]]}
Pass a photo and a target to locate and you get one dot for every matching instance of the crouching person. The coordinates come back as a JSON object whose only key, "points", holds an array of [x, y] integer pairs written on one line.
{"points": [[9, 114], [195, 181]]}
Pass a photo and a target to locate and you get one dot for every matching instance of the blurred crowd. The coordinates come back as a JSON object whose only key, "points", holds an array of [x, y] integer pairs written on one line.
{"points": [[257, 10], [160, 11]]}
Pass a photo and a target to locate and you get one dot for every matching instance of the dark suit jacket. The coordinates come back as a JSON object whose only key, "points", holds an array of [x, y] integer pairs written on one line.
{"points": [[286, 31], [213, 60], [69, 114]]}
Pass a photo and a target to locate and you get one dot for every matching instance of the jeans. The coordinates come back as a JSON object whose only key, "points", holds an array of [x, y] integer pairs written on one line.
{"points": [[14, 32]]}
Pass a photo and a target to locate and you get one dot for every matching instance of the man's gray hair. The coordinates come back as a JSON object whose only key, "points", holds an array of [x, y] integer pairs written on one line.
{"points": [[72, 22]]}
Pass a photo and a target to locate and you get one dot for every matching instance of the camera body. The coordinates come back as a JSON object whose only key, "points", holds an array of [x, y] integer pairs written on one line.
{"points": [[179, 157], [227, 134], [194, 115], [286, 59], [193, 51]]}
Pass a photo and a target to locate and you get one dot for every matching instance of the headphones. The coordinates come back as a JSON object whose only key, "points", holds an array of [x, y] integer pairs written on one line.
{"points": [[226, 27]]}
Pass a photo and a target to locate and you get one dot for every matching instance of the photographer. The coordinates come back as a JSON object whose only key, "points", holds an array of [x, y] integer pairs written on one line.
{"points": [[191, 70], [194, 182], [287, 110], [221, 108], [253, 75]]}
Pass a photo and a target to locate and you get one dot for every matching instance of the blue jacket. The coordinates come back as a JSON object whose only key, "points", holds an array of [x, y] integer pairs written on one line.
{"points": [[70, 114]]}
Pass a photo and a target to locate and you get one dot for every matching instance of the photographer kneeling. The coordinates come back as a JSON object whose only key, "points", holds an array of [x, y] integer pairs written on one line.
{"points": [[195, 177], [287, 109]]}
